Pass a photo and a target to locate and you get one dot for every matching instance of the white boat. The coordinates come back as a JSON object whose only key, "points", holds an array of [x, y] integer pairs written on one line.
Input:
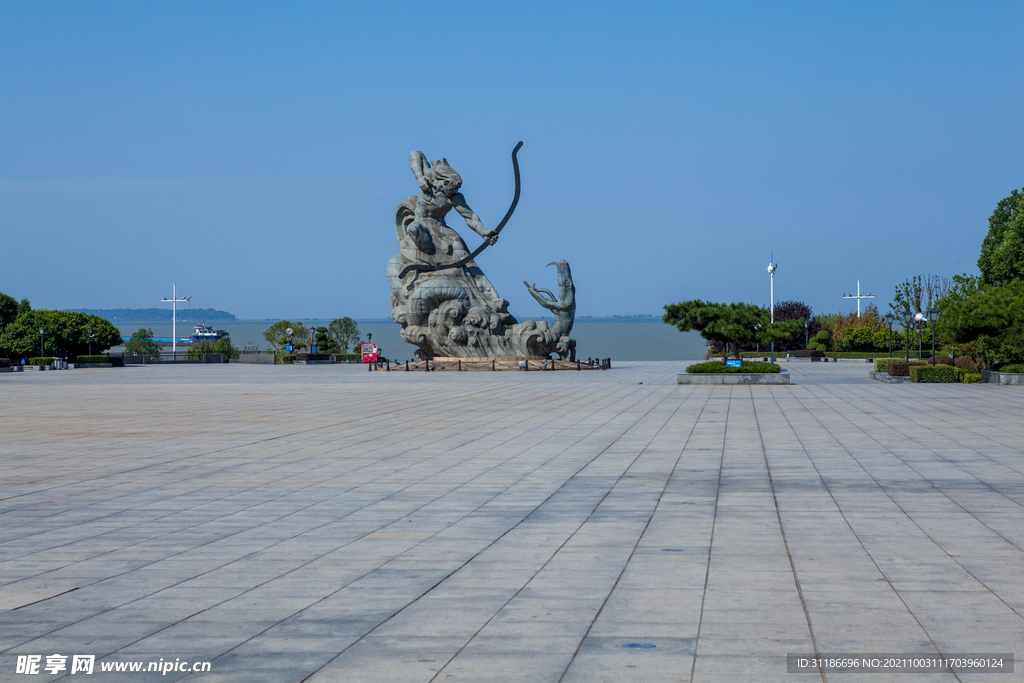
{"points": [[205, 333]]}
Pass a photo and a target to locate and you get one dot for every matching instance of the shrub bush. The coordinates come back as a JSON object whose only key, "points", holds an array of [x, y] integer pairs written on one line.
{"points": [[901, 368], [882, 364], [1015, 367], [312, 356], [966, 363], [821, 347], [82, 360], [288, 358], [966, 377], [347, 356], [717, 366], [943, 360], [932, 374], [40, 360], [822, 336]]}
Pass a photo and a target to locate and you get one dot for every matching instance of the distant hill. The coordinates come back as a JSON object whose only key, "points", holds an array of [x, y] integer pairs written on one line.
{"points": [[156, 315]]}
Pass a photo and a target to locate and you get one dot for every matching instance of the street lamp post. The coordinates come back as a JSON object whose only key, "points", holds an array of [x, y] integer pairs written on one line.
{"points": [[889, 317], [807, 333], [908, 318], [933, 316], [918, 319], [771, 274], [90, 339], [42, 347]]}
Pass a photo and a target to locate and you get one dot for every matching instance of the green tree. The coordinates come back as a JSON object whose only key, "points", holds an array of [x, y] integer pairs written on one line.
{"points": [[277, 337], [345, 333], [222, 346], [65, 334], [324, 342], [1002, 251], [987, 321], [735, 323], [141, 344], [8, 310]]}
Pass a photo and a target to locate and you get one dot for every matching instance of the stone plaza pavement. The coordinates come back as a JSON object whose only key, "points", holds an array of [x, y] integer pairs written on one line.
{"points": [[325, 523]]}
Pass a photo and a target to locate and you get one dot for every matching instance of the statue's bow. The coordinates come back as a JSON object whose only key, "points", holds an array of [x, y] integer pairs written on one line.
{"points": [[423, 267]]}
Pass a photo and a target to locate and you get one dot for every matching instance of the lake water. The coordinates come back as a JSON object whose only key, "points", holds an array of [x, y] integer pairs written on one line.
{"points": [[615, 338]]}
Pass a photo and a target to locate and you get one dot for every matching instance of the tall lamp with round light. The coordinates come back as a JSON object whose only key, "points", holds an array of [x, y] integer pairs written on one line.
{"points": [[889, 318], [918, 319], [933, 316], [908, 320], [771, 274]]}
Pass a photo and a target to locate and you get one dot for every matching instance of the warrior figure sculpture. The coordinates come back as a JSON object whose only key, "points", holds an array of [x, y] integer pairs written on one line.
{"points": [[444, 302]]}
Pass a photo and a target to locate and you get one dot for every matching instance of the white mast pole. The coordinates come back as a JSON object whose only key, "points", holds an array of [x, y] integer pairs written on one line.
{"points": [[174, 318], [858, 296]]}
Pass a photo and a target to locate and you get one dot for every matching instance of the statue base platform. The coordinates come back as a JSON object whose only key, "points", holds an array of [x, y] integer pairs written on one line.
{"points": [[500, 364]]}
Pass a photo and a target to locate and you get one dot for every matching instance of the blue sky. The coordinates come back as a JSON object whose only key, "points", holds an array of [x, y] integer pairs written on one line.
{"points": [[255, 152]]}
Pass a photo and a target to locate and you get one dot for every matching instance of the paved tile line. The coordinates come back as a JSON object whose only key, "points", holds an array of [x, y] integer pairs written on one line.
{"points": [[617, 399], [370, 428], [220, 484], [632, 552], [582, 523], [373, 429], [293, 512], [944, 459], [785, 541], [711, 538], [909, 517], [503, 534], [850, 526], [912, 416]]}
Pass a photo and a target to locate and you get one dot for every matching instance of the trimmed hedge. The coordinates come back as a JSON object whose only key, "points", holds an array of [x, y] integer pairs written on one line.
{"points": [[966, 377], [901, 368], [347, 356], [932, 374], [40, 360], [718, 367], [943, 360], [288, 358], [312, 356], [1015, 367], [92, 359], [796, 353], [882, 364]]}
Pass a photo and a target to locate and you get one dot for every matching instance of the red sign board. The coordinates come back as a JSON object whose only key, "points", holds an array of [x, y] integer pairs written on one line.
{"points": [[369, 353]]}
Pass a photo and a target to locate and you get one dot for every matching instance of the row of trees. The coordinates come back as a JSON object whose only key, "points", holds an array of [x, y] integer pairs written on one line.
{"points": [[64, 334], [337, 337], [980, 316]]}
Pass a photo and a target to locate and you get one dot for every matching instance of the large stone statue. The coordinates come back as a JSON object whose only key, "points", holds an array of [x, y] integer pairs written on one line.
{"points": [[444, 302]]}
